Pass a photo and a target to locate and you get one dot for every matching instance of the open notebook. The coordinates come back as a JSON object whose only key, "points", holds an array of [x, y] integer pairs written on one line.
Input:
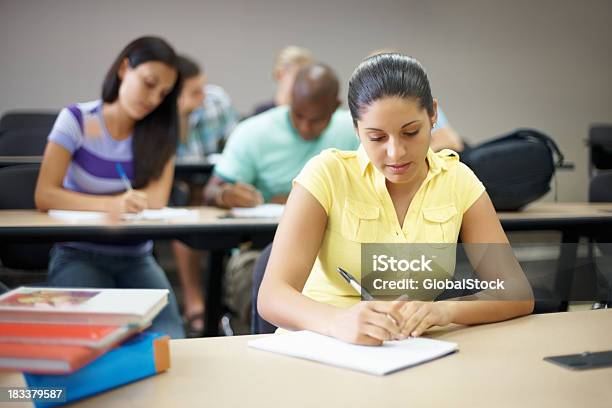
{"points": [[391, 356]]}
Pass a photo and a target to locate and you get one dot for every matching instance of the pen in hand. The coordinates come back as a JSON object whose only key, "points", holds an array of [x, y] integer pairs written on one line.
{"points": [[124, 177], [365, 295]]}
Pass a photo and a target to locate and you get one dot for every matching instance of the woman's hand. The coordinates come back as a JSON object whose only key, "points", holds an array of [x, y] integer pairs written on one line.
{"points": [[419, 316], [132, 201], [367, 323]]}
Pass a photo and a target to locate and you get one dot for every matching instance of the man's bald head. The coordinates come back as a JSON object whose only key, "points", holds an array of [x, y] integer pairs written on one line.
{"points": [[316, 82], [314, 99]]}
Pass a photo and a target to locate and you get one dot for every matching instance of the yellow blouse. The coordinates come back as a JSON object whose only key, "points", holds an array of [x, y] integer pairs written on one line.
{"points": [[354, 195]]}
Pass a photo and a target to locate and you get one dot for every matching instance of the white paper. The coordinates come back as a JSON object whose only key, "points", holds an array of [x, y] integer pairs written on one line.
{"points": [[68, 215], [198, 159], [381, 360], [161, 214], [165, 213], [213, 158], [261, 211]]}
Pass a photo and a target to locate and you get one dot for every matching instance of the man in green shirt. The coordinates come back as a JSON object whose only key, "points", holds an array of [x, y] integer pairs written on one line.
{"points": [[266, 152], [262, 157]]}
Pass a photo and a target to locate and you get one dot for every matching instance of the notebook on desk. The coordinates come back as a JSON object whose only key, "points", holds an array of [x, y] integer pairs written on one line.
{"points": [[388, 358], [261, 211], [162, 214]]}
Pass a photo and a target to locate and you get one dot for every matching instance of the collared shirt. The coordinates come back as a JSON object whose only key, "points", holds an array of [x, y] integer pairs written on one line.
{"points": [[267, 152], [353, 193], [209, 126]]}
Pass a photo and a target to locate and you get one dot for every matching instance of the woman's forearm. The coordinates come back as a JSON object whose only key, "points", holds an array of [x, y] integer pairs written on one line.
{"points": [[61, 198], [157, 198], [158, 191], [285, 307]]}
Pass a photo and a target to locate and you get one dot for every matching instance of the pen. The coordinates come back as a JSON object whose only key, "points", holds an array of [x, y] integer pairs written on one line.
{"points": [[124, 177], [365, 295]]}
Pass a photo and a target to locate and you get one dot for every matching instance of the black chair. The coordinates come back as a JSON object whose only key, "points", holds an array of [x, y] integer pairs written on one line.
{"points": [[22, 120], [600, 191], [23, 142], [600, 187], [258, 324], [600, 148], [3, 288], [17, 185]]}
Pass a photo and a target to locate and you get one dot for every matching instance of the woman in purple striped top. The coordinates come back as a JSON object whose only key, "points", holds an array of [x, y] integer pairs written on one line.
{"points": [[135, 124]]}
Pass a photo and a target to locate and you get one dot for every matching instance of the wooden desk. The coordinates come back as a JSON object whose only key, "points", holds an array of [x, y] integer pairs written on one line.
{"points": [[573, 220], [497, 365], [207, 231], [31, 225], [210, 232], [585, 217]]}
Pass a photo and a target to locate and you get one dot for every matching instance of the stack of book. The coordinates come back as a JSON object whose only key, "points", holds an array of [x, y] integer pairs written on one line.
{"points": [[83, 341]]}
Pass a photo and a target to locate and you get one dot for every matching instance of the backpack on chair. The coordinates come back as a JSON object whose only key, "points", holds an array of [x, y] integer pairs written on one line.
{"points": [[516, 168], [237, 286]]}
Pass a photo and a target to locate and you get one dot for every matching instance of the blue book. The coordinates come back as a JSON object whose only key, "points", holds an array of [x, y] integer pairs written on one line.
{"points": [[141, 356]]}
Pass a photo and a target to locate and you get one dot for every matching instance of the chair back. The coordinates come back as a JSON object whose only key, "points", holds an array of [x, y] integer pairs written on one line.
{"points": [[17, 185], [23, 142], [600, 187], [20, 120], [600, 148]]}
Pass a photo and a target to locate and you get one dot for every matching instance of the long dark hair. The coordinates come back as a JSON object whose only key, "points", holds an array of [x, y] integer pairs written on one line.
{"points": [[187, 67], [388, 75], [155, 136]]}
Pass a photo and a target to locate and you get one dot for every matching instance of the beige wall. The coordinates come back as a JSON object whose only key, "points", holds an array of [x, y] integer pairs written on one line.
{"points": [[495, 65]]}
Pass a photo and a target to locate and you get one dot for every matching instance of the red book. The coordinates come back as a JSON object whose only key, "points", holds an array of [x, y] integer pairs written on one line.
{"points": [[64, 334], [50, 359]]}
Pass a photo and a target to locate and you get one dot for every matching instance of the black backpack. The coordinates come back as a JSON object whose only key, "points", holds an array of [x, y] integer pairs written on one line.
{"points": [[516, 168]]}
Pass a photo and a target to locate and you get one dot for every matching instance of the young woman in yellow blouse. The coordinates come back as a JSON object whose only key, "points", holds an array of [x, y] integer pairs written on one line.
{"points": [[394, 189]]}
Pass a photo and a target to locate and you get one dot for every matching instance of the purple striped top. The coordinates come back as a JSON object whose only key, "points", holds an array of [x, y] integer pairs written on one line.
{"points": [[80, 129]]}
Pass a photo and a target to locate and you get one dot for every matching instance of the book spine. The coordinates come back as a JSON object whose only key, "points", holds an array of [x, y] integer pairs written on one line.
{"points": [[142, 356]]}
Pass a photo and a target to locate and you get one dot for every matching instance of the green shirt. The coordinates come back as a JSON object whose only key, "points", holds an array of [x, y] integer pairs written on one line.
{"points": [[267, 152]]}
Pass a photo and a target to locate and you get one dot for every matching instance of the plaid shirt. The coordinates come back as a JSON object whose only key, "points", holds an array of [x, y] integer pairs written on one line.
{"points": [[209, 126]]}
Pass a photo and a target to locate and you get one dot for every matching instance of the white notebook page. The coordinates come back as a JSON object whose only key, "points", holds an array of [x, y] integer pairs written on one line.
{"points": [[381, 360]]}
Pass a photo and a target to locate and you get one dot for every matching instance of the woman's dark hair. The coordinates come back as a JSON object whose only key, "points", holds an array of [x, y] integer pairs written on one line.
{"points": [[388, 75], [155, 136], [187, 67]]}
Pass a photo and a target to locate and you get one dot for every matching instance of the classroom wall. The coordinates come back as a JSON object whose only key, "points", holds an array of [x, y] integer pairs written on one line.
{"points": [[494, 64]]}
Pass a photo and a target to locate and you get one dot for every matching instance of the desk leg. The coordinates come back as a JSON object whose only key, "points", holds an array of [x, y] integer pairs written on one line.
{"points": [[214, 293], [566, 267]]}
